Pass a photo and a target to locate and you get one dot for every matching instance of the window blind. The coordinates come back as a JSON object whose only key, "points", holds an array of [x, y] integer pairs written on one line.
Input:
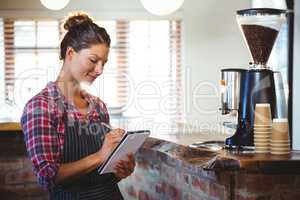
{"points": [[155, 70], [2, 90], [9, 57], [142, 76], [112, 86], [31, 56], [176, 69]]}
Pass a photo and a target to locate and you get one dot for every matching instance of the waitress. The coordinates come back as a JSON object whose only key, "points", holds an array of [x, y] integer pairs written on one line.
{"points": [[62, 124]]}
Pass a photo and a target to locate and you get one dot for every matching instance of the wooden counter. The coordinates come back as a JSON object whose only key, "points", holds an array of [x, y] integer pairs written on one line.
{"points": [[172, 170], [166, 170], [228, 160], [10, 126]]}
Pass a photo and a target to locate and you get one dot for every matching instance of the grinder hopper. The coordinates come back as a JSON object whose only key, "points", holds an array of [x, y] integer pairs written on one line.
{"points": [[260, 28]]}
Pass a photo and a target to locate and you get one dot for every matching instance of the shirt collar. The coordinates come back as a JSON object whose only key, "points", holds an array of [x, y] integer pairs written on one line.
{"points": [[55, 94]]}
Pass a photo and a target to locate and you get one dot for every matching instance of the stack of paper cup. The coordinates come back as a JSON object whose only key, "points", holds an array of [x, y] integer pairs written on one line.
{"points": [[280, 140], [262, 128]]}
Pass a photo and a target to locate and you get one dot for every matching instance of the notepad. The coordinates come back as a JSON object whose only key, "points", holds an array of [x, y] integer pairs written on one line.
{"points": [[130, 143]]}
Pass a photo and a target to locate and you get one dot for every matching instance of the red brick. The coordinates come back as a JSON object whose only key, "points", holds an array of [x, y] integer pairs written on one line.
{"points": [[217, 191], [200, 184], [144, 164], [244, 197], [297, 182], [285, 179], [131, 191], [160, 187], [289, 195], [183, 179], [11, 164], [255, 183], [20, 177], [168, 173], [137, 178], [173, 192], [23, 191], [143, 195]]}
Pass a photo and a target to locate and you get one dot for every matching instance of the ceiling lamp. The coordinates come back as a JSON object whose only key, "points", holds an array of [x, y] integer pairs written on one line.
{"points": [[162, 7], [55, 4]]}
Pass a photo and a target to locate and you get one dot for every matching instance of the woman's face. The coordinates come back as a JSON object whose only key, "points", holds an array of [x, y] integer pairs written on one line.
{"points": [[87, 64]]}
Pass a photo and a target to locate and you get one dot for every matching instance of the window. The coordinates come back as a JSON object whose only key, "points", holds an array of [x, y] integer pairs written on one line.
{"points": [[156, 57], [141, 78], [31, 55], [2, 94]]}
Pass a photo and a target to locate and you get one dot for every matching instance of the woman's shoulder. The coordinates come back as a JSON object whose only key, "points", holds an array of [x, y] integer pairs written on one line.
{"points": [[45, 99]]}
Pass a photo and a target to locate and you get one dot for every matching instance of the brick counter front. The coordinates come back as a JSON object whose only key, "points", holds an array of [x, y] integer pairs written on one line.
{"points": [[169, 171], [17, 180]]}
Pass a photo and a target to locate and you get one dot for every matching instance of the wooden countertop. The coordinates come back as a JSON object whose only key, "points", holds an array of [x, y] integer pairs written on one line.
{"points": [[225, 159], [176, 147], [10, 126]]}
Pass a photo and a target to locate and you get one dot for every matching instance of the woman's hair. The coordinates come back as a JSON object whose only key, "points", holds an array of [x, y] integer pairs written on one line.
{"points": [[82, 32]]}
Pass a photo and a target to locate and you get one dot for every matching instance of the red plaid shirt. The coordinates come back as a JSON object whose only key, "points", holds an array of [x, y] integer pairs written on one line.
{"points": [[43, 127]]}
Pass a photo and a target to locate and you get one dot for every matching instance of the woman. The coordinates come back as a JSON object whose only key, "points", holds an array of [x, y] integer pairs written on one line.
{"points": [[64, 135]]}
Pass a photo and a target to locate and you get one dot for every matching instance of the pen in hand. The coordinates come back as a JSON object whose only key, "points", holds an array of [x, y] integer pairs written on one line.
{"points": [[109, 128]]}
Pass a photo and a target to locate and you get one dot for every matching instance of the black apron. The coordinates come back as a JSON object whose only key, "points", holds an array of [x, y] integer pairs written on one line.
{"points": [[80, 140]]}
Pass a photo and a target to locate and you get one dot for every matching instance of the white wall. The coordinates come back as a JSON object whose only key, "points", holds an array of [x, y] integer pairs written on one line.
{"points": [[211, 38], [212, 41], [296, 100]]}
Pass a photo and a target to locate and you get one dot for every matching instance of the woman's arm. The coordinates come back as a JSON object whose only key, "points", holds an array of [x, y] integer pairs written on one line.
{"points": [[78, 168], [43, 146]]}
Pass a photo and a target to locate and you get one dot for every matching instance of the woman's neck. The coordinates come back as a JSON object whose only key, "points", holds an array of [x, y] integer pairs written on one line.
{"points": [[68, 85]]}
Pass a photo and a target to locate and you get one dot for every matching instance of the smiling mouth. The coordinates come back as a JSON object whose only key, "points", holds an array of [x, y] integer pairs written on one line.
{"points": [[93, 77]]}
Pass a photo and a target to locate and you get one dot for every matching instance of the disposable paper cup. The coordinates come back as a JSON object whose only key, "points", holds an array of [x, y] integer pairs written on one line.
{"points": [[280, 145], [280, 148], [263, 128], [266, 152], [262, 114], [280, 125], [263, 132], [262, 148], [262, 136], [280, 141], [280, 152], [279, 136], [261, 140], [262, 145], [262, 125]]}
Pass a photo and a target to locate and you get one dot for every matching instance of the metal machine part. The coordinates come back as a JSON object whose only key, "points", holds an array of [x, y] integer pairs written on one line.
{"points": [[230, 89]]}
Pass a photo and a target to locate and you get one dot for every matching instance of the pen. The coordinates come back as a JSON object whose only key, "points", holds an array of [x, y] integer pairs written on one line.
{"points": [[107, 126]]}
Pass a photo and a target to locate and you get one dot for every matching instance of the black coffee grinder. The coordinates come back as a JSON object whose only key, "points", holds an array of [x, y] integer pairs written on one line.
{"points": [[242, 89]]}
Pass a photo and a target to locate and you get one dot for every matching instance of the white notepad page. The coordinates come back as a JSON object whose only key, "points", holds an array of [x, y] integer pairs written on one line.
{"points": [[131, 142]]}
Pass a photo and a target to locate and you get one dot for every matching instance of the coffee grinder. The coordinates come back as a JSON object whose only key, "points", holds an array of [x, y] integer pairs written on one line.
{"points": [[242, 89]]}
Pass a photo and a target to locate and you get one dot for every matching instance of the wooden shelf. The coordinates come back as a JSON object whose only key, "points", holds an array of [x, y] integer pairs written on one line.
{"points": [[10, 126]]}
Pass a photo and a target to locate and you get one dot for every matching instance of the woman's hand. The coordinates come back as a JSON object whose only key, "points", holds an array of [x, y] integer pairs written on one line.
{"points": [[125, 168], [111, 140]]}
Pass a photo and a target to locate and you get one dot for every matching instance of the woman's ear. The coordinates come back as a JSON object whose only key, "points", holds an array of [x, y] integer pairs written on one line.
{"points": [[70, 53]]}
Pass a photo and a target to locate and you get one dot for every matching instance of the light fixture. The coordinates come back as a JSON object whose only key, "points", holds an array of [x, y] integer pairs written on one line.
{"points": [[55, 4], [278, 4], [162, 7]]}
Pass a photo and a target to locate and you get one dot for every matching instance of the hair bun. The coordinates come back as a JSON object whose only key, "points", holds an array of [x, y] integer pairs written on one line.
{"points": [[75, 19]]}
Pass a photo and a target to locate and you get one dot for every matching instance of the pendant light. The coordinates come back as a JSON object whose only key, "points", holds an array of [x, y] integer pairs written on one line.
{"points": [[162, 7], [55, 4]]}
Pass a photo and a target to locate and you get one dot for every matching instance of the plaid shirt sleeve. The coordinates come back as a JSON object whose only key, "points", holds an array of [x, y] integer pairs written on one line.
{"points": [[41, 140]]}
